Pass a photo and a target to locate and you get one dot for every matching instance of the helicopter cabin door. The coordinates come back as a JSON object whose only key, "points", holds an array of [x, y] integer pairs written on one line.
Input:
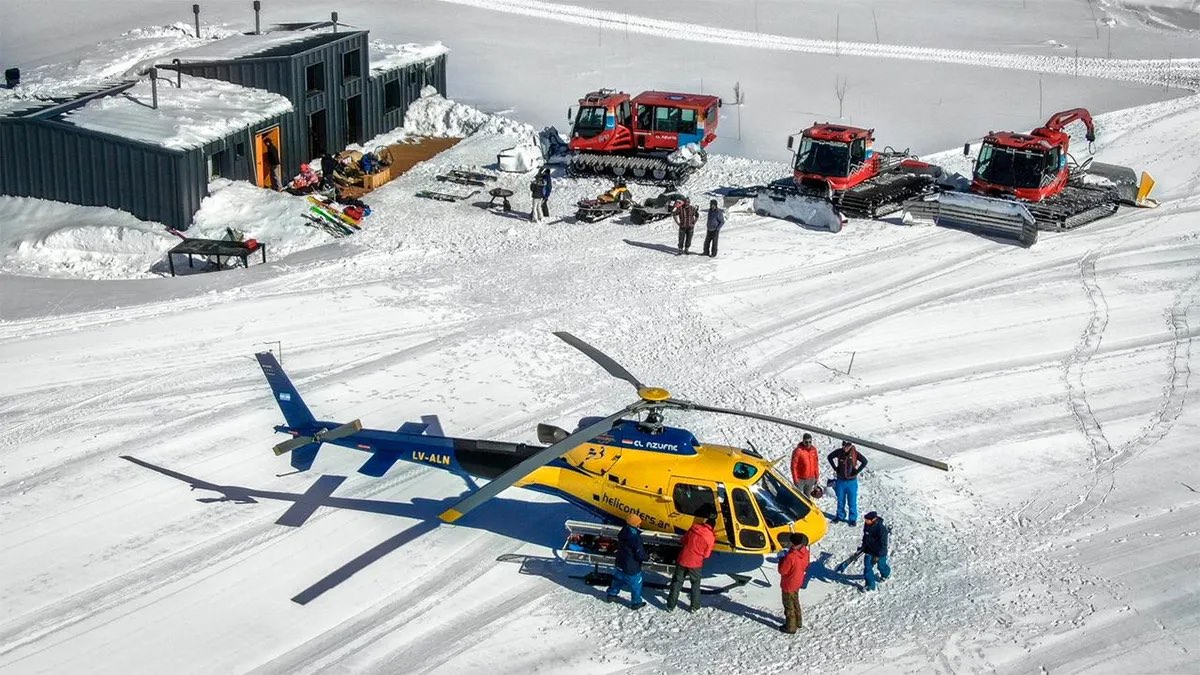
{"points": [[690, 496], [747, 525]]}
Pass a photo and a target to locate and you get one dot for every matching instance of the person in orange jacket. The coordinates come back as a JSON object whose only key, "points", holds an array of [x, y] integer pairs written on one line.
{"points": [[793, 568], [806, 466], [698, 545]]}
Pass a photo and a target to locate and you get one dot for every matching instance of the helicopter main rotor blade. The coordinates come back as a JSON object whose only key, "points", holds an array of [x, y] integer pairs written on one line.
{"points": [[604, 360], [535, 461], [818, 430], [331, 435]]}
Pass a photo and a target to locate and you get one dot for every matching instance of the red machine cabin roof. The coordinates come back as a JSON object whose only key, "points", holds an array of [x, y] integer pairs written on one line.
{"points": [[674, 100], [1007, 139], [604, 97], [836, 133]]}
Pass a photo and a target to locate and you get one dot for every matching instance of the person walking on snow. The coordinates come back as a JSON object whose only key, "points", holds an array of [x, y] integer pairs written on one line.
{"points": [[847, 463], [792, 570], [697, 547], [546, 189], [806, 466], [716, 219], [874, 549], [685, 217], [630, 556], [538, 191]]}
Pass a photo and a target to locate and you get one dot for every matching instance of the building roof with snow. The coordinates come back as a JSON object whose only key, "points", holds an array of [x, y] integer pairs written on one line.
{"points": [[311, 88], [196, 112], [385, 57]]}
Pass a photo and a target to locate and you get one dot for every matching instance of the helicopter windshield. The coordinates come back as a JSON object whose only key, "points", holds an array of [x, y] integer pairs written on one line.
{"points": [[590, 121], [826, 158], [779, 503], [1010, 167]]}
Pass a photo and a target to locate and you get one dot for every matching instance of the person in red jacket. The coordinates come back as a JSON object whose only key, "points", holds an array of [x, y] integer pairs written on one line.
{"points": [[806, 466], [793, 567], [697, 547]]}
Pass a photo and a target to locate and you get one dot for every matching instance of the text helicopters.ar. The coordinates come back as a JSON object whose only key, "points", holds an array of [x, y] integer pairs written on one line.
{"points": [[610, 466]]}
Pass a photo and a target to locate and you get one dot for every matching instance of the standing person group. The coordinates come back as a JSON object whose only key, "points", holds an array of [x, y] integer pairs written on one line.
{"points": [[685, 216], [806, 466], [847, 463], [716, 220], [539, 192]]}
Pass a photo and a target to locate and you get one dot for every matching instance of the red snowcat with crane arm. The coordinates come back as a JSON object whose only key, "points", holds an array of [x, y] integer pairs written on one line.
{"points": [[656, 136], [1023, 183], [838, 174]]}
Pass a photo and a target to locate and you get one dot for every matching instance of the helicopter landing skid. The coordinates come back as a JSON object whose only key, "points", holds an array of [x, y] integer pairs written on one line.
{"points": [[603, 579]]}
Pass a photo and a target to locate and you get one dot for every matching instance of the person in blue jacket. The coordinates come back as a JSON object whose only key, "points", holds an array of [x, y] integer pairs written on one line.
{"points": [[547, 186], [875, 549], [630, 556], [716, 219]]}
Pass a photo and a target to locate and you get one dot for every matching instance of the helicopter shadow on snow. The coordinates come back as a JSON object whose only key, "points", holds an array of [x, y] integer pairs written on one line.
{"points": [[537, 523]]}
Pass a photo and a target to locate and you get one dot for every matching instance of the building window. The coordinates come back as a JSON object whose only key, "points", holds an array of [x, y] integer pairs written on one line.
{"points": [[239, 150], [315, 77], [391, 96], [351, 65]]}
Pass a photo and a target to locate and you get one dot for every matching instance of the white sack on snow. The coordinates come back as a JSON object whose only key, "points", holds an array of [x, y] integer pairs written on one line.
{"points": [[520, 159]]}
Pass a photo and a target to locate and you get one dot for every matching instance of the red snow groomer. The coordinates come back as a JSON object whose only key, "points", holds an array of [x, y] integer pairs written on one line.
{"points": [[654, 137], [1023, 183], [838, 174]]}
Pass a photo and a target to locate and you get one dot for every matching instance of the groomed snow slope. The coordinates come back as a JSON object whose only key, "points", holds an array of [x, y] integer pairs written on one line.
{"points": [[1055, 380]]}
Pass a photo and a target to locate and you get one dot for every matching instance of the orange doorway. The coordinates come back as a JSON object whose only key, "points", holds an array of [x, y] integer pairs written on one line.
{"points": [[262, 173]]}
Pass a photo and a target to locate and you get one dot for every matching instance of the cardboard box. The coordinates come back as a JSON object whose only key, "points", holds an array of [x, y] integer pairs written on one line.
{"points": [[374, 180]]}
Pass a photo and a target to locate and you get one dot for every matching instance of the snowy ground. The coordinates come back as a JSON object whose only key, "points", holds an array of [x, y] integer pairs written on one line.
{"points": [[1055, 380]]}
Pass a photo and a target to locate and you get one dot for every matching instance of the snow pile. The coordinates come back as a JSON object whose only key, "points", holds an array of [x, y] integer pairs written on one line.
{"points": [[276, 218], [434, 115], [198, 112], [52, 239], [385, 57], [104, 64]]}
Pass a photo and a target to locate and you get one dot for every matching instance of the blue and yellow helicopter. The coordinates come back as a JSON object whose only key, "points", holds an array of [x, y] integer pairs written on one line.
{"points": [[610, 466]]}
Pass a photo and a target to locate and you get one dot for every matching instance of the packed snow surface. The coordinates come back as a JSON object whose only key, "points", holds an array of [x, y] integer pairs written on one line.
{"points": [[194, 112], [142, 515]]}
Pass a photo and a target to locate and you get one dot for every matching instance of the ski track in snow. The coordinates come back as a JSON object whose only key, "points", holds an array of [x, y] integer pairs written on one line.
{"points": [[960, 600], [1174, 72]]}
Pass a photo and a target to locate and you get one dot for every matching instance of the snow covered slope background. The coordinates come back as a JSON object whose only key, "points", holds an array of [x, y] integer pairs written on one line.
{"points": [[139, 499]]}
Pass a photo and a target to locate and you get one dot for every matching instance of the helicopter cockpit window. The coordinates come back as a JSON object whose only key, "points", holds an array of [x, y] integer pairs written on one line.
{"points": [[744, 471], [779, 502], [690, 498]]}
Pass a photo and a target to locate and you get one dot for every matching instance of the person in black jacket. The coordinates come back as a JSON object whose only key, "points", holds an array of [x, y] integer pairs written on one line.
{"points": [[847, 463], [630, 556], [271, 161], [875, 549], [329, 166]]}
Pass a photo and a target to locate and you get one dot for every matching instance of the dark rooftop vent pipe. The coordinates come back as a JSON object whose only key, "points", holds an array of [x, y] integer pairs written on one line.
{"points": [[12, 77], [333, 17], [257, 7], [196, 11], [154, 88]]}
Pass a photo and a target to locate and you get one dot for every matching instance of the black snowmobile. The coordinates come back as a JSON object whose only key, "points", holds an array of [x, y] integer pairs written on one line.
{"points": [[609, 204], [656, 208]]}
